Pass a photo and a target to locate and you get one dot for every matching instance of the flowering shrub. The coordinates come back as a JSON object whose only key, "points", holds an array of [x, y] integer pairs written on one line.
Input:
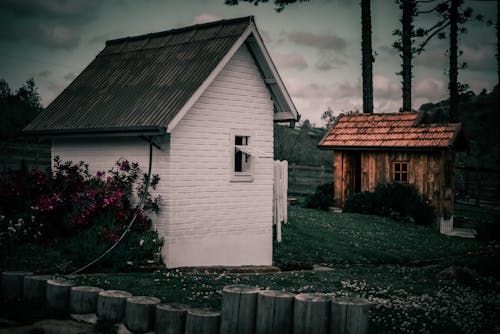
{"points": [[36, 206]]}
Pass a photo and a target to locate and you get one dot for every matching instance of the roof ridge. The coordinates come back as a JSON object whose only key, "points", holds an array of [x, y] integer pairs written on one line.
{"points": [[179, 30]]}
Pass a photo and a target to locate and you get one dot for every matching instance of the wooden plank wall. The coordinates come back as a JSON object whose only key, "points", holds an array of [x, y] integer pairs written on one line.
{"points": [[431, 172]]}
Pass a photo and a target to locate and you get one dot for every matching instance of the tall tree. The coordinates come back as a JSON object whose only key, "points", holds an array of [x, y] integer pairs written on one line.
{"points": [[367, 56], [405, 47], [452, 15], [453, 53]]}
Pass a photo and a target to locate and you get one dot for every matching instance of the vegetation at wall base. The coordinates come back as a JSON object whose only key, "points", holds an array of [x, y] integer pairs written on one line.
{"points": [[397, 200], [73, 217], [322, 197]]}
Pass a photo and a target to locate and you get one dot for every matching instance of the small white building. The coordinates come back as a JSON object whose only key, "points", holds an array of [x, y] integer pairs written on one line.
{"points": [[207, 96]]}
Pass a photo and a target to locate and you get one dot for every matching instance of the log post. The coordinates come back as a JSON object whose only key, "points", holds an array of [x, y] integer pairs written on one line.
{"points": [[238, 309], [311, 313], [170, 318], [202, 321], [349, 315], [35, 289], [140, 313], [83, 299], [274, 312], [111, 305], [12, 285], [57, 295]]}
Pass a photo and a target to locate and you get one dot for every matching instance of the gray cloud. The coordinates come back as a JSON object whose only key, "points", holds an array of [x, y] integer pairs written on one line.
{"points": [[330, 60], [205, 18], [479, 58], [318, 41], [70, 76], [44, 73], [47, 23], [290, 60]]}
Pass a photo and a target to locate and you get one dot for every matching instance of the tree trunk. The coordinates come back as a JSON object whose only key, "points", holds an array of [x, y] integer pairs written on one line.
{"points": [[453, 84], [367, 56], [408, 8], [498, 53]]}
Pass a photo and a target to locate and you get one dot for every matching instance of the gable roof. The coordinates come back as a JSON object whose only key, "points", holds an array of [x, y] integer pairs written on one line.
{"points": [[147, 83], [390, 131]]}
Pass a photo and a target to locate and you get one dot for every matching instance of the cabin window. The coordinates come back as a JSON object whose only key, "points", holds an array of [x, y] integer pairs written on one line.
{"points": [[241, 158], [401, 171]]}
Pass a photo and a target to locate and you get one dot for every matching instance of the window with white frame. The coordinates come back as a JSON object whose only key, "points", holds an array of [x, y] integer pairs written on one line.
{"points": [[241, 158]]}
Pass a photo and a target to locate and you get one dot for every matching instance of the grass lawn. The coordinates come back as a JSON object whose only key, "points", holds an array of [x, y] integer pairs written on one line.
{"points": [[393, 265]]}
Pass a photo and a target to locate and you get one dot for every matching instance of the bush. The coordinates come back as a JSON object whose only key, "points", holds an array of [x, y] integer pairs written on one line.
{"points": [[322, 198], [363, 202], [82, 214], [395, 200]]}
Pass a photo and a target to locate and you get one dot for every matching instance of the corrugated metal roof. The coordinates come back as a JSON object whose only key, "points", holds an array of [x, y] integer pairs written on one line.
{"points": [[140, 82], [389, 131]]}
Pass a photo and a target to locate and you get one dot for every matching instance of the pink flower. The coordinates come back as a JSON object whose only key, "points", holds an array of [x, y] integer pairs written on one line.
{"points": [[125, 165], [99, 174]]}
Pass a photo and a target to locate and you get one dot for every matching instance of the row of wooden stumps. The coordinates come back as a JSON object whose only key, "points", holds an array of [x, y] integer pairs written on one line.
{"points": [[245, 309]]}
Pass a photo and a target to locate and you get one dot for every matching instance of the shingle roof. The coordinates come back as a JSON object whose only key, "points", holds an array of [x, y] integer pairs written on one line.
{"points": [[141, 83], [389, 131]]}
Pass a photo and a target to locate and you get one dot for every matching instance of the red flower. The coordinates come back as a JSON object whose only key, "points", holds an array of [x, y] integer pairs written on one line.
{"points": [[125, 166]]}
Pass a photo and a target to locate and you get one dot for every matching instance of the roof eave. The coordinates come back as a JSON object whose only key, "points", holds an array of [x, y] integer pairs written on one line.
{"points": [[133, 131], [383, 148], [270, 74]]}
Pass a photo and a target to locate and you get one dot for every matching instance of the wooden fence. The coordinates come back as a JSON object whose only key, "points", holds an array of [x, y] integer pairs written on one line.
{"points": [[280, 195], [478, 185], [31, 155], [303, 180], [245, 309]]}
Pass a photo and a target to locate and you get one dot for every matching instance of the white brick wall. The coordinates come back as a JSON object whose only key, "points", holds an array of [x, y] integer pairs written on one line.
{"points": [[215, 221], [205, 218]]}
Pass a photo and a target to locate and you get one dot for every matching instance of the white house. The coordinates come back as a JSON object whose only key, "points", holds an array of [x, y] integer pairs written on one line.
{"points": [[207, 96]]}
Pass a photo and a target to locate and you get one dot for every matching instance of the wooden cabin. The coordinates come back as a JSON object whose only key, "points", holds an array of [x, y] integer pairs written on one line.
{"points": [[381, 148], [206, 96]]}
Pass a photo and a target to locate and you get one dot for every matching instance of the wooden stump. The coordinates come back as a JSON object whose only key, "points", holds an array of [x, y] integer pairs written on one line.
{"points": [[57, 295], [12, 285], [349, 315], [311, 313], [35, 289], [170, 318], [274, 312], [140, 313], [202, 321], [83, 299], [111, 305], [238, 309]]}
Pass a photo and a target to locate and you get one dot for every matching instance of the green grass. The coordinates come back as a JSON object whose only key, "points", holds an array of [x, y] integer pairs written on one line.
{"points": [[366, 255], [321, 237]]}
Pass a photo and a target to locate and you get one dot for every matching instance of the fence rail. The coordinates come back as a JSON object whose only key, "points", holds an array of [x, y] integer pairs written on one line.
{"points": [[31, 155], [303, 180]]}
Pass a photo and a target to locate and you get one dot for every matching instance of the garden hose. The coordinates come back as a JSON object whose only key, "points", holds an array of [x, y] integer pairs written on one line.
{"points": [[139, 207]]}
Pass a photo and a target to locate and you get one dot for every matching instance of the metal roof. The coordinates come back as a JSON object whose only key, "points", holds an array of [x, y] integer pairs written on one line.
{"points": [[389, 131], [142, 82]]}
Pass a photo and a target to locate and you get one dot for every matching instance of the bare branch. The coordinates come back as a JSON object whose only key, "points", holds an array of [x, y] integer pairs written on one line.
{"points": [[424, 43]]}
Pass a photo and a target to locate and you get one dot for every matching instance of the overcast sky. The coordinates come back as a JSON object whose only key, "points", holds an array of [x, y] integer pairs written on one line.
{"points": [[316, 46]]}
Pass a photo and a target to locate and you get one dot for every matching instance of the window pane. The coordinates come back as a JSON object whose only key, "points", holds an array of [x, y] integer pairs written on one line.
{"points": [[404, 167], [237, 161], [397, 177], [238, 140], [397, 166], [404, 177]]}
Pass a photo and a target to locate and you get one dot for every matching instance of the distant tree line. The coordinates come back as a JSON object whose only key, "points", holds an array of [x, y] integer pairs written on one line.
{"points": [[17, 109]]}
